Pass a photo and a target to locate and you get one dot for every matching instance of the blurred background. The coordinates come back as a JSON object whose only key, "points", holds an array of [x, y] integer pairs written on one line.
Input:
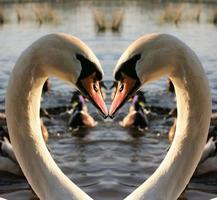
{"points": [[109, 161]]}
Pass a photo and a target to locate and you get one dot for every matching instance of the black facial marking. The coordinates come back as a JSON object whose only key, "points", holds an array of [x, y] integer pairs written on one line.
{"points": [[88, 68], [129, 68]]}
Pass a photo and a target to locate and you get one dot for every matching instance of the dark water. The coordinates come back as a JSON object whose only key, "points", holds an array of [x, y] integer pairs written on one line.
{"points": [[108, 162]]}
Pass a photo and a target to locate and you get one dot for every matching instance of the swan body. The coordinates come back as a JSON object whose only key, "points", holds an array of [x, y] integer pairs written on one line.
{"points": [[145, 60], [208, 160], [69, 59], [8, 149], [8, 161], [209, 165]]}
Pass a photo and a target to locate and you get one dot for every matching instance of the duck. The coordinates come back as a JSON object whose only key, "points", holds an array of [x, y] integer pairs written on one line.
{"points": [[78, 114], [137, 115]]}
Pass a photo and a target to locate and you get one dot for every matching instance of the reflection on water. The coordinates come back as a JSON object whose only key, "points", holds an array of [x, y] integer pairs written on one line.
{"points": [[108, 162]]}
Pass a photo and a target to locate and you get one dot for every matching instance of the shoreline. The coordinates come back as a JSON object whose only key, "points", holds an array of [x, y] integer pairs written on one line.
{"points": [[65, 1]]}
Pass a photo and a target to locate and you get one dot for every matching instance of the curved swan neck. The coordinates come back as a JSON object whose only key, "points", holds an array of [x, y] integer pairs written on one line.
{"points": [[194, 112], [22, 109]]}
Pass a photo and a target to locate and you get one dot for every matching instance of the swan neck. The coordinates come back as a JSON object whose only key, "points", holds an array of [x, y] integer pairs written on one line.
{"points": [[194, 112], [193, 119], [22, 110]]}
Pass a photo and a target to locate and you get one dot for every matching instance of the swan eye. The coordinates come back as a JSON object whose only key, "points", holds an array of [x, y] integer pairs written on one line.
{"points": [[95, 87], [121, 87]]}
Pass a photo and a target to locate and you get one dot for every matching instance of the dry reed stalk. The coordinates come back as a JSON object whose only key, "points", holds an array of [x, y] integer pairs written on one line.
{"points": [[45, 14], [100, 20], [214, 17], [2, 18], [196, 14], [117, 20], [172, 14], [20, 14]]}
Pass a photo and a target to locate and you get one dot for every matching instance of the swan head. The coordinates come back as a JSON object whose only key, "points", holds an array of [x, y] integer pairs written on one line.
{"points": [[73, 61], [88, 83], [142, 62]]}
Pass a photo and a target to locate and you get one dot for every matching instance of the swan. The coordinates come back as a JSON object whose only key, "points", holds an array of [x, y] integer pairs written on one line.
{"points": [[147, 59], [208, 160], [69, 59], [8, 161]]}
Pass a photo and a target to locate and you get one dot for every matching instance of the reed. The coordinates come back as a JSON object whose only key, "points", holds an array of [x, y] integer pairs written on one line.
{"points": [[2, 17], [19, 14], [117, 20], [196, 14], [214, 17], [171, 14], [45, 14], [100, 21], [38, 15]]}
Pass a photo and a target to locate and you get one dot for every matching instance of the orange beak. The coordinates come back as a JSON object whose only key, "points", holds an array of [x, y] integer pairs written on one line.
{"points": [[125, 89], [91, 89]]}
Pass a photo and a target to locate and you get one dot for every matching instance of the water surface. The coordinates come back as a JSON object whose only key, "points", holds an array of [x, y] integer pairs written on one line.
{"points": [[108, 162]]}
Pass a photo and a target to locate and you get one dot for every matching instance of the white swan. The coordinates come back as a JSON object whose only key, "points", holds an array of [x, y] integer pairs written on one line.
{"points": [[208, 160], [70, 59], [149, 58], [8, 161]]}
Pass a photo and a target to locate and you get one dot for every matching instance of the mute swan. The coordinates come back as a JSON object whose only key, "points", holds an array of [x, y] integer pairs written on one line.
{"points": [[145, 60], [208, 161], [8, 161], [68, 58]]}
